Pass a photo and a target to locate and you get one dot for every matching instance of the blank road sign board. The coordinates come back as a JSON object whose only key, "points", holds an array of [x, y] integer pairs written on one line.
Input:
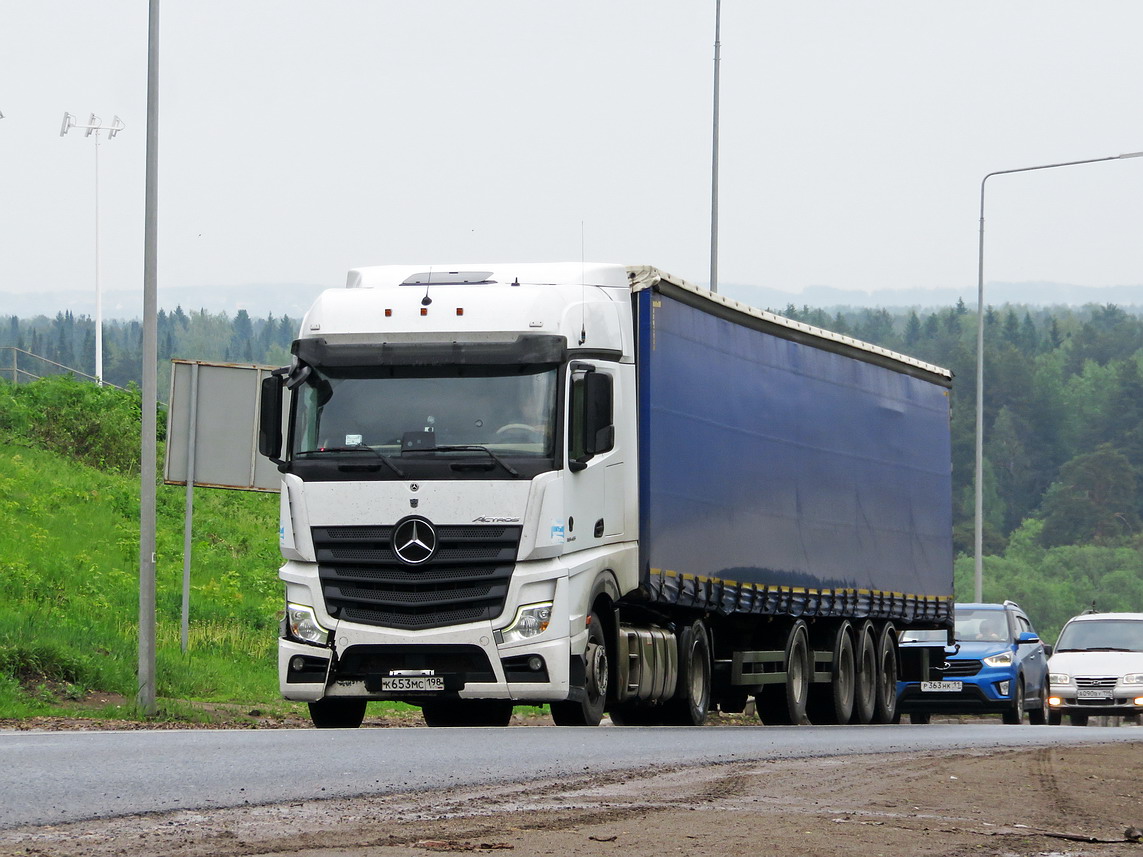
{"points": [[223, 399]]}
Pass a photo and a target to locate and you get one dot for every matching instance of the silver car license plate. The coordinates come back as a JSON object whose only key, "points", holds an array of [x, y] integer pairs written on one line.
{"points": [[1093, 693], [412, 683], [942, 686]]}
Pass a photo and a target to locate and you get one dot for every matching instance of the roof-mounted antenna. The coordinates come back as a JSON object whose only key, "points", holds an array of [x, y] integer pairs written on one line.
{"points": [[426, 300], [582, 290]]}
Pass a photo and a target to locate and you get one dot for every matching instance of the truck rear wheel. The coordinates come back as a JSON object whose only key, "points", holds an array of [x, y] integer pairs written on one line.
{"points": [[467, 712], [833, 703], [337, 713], [589, 710], [689, 705], [886, 704], [786, 703], [865, 694]]}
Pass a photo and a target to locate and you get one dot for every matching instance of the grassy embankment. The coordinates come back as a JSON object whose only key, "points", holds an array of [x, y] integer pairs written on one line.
{"points": [[69, 570]]}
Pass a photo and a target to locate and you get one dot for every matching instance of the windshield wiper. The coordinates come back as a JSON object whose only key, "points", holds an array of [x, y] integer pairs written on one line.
{"points": [[478, 448], [363, 448]]}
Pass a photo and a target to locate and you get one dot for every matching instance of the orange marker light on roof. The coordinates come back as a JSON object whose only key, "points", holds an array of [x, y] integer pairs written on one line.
{"points": [[424, 310], [388, 313], [460, 310]]}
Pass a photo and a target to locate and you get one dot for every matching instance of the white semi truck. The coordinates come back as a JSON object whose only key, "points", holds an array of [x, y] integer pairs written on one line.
{"points": [[601, 488]]}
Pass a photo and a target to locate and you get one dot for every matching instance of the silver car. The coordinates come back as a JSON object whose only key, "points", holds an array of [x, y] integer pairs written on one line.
{"points": [[1097, 668]]}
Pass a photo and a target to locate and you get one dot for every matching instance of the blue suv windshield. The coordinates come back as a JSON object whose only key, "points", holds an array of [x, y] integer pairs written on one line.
{"points": [[981, 626]]}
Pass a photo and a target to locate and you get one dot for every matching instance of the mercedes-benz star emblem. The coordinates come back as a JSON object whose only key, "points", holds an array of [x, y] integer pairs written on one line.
{"points": [[414, 541]]}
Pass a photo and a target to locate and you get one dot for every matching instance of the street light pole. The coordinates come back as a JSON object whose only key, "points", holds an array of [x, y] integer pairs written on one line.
{"points": [[978, 591], [94, 127], [714, 154]]}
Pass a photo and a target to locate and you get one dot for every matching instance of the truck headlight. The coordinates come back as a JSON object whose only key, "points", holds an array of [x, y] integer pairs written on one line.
{"points": [[302, 624], [1004, 659], [531, 620], [1056, 679], [1133, 678]]}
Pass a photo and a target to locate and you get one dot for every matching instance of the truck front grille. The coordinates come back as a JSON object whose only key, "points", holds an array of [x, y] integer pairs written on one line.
{"points": [[466, 580]]}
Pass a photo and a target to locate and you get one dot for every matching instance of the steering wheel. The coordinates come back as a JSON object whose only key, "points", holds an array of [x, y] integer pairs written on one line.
{"points": [[521, 427]]}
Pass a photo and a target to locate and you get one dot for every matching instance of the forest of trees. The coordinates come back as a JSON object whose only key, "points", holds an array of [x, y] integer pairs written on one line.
{"points": [[1063, 492]]}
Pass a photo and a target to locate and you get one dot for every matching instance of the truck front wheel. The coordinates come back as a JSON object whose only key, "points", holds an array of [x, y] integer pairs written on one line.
{"points": [[589, 710], [337, 713]]}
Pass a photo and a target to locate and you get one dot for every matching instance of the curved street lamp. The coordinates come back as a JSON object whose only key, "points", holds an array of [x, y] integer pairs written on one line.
{"points": [[979, 534]]}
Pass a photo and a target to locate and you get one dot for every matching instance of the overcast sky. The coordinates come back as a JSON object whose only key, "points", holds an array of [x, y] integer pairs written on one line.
{"points": [[299, 139]]}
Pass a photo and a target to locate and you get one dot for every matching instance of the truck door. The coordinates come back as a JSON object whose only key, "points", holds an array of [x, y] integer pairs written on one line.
{"points": [[591, 455]]}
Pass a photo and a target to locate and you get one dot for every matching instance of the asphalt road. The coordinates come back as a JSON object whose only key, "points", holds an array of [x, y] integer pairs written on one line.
{"points": [[52, 777]]}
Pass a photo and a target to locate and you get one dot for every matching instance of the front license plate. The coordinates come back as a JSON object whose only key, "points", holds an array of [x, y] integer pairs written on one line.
{"points": [[1093, 693], [412, 683], [942, 686]]}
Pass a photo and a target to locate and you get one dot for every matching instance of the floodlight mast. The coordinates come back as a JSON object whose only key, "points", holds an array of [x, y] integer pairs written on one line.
{"points": [[95, 127]]}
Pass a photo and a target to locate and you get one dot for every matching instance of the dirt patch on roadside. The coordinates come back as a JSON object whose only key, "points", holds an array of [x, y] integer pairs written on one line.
{"points": [[1047, 801]]}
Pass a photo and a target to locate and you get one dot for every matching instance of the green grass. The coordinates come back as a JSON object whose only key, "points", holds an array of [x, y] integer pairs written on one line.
{"points": [[69, 587]]}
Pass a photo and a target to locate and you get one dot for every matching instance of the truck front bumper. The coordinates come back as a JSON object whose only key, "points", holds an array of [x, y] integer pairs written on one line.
{"points": [[471, 664]]}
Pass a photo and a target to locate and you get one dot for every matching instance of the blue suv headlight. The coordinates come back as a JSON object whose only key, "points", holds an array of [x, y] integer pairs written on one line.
{"points": [[1004, 659]]}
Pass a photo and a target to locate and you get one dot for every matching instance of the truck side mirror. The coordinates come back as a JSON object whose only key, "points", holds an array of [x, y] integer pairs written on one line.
{"points": [[270, 419]]}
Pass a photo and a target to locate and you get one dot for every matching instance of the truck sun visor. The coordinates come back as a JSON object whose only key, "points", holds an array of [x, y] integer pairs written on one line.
{"points": [[525, 349]]}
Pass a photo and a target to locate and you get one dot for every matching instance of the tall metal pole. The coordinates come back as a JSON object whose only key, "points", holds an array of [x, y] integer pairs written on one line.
{"points": [[978, 578], [98, 280], [714, 155], [148, 438], [95, 127]]}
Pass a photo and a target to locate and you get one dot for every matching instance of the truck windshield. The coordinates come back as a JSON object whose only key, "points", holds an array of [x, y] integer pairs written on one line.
{"points": [[509, 410]]}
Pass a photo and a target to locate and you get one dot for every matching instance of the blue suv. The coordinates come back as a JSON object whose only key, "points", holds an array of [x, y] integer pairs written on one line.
{"points": [[1001, 667]]}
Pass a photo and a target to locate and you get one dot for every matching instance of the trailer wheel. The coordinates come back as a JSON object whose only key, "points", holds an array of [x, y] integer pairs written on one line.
{"points": [[886, 706], [865, 695], [786, 703], [833, 703], [467, 712], [589, 711], [689, 705], [337, 713]]}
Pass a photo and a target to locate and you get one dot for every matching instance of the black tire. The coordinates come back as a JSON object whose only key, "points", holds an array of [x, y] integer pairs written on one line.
{"points": [[786, 703], [865, 689], [589, 711], [337, 713], [885, 710], [1078, 719], [1014, 716], [1055, 718], [833, 703], [921, 718], [1038, 716], [691, 702], [467, 712]]}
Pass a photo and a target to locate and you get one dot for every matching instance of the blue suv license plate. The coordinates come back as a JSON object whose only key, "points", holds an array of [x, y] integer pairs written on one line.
{"points": [[942, 686]]}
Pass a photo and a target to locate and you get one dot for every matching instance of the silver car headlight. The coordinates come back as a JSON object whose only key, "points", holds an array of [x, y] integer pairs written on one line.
{"points": [[1057, 679], [302, 625], [1004, 659], [1133, 678], [531, 620]]}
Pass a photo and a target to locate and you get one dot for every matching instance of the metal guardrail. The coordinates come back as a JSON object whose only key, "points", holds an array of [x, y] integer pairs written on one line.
{"points": [[18, 365]]}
